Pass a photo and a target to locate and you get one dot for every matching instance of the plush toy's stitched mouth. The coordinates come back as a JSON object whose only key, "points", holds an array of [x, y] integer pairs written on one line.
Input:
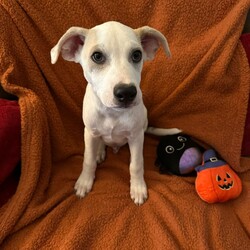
{"points": [[183, 145], [226, 186]]}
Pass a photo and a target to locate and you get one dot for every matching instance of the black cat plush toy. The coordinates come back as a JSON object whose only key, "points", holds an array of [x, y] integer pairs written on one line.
{"points": [[178, 154]]}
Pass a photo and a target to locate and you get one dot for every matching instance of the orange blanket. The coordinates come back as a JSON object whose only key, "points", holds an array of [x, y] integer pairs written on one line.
{"points": [[203, 89]]}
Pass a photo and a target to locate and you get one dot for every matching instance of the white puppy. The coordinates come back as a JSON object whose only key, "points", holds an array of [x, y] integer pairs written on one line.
{"points": [[112, 55]]}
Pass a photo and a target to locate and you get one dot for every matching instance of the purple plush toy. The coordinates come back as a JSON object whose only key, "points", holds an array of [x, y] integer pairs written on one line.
{"points": [[178, 154]]}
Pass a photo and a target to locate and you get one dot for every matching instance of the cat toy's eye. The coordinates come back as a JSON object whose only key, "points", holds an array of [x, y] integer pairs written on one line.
{"points": [[169, 149], [182, 139]]}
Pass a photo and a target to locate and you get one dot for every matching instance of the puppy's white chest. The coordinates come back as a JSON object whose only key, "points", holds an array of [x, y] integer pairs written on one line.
{"points": [[113, 132]]}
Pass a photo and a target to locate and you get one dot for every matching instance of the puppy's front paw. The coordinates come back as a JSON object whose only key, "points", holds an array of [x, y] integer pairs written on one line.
{"points": [[84, 185], [138, 192]]}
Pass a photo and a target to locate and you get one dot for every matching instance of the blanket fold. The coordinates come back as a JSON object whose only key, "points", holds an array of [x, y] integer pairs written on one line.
{"points": [[203, 89]]}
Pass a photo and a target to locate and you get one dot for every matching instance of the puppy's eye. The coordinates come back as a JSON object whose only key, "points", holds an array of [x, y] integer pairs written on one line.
{"points": [[98, 57], [136, 56], [169, 149]]}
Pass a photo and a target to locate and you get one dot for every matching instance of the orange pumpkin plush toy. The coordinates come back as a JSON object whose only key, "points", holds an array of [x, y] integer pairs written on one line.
{"points": [[216, 181]]}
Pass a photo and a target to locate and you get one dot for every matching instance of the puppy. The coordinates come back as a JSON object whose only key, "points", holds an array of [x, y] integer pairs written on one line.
{"points": [[112, 56]]}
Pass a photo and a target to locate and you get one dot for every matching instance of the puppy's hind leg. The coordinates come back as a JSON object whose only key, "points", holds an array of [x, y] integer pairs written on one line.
{"points": [[101, 152]]}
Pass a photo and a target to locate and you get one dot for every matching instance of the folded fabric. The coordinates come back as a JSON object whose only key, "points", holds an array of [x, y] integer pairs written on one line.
{"points": [[245, 151]]}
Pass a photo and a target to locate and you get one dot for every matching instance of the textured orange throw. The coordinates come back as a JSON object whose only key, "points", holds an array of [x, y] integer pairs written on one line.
{"points": [[203, 89]]}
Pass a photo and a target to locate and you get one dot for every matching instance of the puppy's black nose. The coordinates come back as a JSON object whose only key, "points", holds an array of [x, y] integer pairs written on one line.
{"points": [[125, 93]]}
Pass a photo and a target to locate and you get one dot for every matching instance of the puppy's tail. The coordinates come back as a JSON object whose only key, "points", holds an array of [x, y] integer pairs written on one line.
{"points": [[163, 131]]}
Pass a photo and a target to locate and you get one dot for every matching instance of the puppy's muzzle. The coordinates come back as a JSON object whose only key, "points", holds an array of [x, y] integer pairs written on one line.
{"points": [[125, 94]]}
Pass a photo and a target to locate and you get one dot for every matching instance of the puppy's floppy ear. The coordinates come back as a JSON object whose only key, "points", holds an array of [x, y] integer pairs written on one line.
{"points": [[151, 40], [70, 45]]}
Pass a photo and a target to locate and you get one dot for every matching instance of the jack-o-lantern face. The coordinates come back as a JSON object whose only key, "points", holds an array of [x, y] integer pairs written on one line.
{"points": [[218, 184], [225, 182]]}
